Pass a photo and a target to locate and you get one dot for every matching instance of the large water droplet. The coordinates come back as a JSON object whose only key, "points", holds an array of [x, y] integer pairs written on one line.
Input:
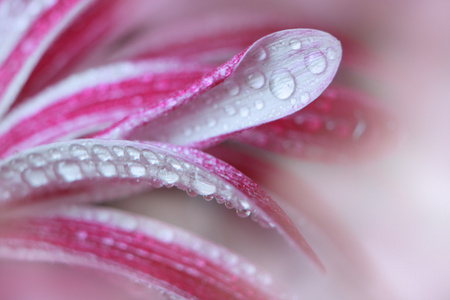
{"points": [[132, 152], [256, 80], [135, 169], [295, 44], [150, 157], [107, 168], [315, 62], [79, 152], [282, 84], [167, 176], [243, 213], [69, 171], [202, 186], [35, 177], [36, 160], [102, 153]]}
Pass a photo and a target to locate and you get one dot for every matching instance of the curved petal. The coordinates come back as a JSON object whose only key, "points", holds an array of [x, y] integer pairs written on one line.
{"points": [[28, 28], [159, 256], [82, 170], [341, 125], [92, 100], [278, 75]]}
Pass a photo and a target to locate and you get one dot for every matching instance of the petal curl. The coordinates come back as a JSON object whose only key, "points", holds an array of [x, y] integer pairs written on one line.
{"points": [[97, 170], [278, 75], [152, 253]]}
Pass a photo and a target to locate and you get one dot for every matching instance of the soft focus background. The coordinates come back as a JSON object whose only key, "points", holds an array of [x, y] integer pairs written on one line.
{"points": [[381, 225]]}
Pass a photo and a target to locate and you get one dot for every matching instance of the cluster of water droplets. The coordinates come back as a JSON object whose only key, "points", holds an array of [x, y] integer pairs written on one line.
{"points": [[88, 162]]}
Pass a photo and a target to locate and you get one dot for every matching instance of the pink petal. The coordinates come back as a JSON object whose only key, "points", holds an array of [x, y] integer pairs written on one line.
{"points": [[146, 251], [92, 100], [278, 75], [342, 124], [28, 28], [98, 170]]}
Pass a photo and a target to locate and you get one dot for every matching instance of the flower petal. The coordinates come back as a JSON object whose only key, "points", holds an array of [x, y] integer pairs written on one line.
{"points": [[92, 100], [147, 251], [84, 170], [278, 75], [342, 124], [28, 28]]}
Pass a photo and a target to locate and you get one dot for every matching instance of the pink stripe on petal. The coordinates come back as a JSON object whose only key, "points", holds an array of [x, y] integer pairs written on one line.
{"points": [[149, 252], [92, 100], [277, 76], [342, 124], [81, 170], [27, 50]]}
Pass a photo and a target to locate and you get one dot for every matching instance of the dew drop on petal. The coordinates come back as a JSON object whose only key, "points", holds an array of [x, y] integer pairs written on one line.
{"points": [[167, 176], [36, 160], [35, 177], [260, 54], [233, 89], [256, 80], [102, 153], [202, 186], [259, 104], [150, 157], [315, 62], [243, 213], [107, 168], [244, 111], [136, 169], [295, 44], [69, 171], [230, 110], [282, 84], [331, 53], [79, 152]]}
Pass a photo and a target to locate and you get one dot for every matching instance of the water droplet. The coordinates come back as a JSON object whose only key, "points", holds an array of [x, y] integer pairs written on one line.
{"points": [[165, 235], [331, 53], [191, 193], [36, 160], [69, 171], [244, 111], [304, 98], [282, 84], [174, 163], [150, 157], [132, 152], [35, 177], [243, 213], [168, 176], [118, 151], [315, 62], [135, 169], [229, 204], [208, 81], [102, 153], [260, 54], [256, 80], [18, 165], [55, 154], [107, 168], [230, 110], [203, 186], [232, 88], [259, 104], [211, 122], [79, 152], [208, 197], [295, 44]]}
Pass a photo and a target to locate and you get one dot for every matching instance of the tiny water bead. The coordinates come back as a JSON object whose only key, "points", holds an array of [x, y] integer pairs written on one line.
{"points": [[69, 171], [282, 84], [315, 62], [244, 111], [259, 104], [256, 80], [233, 89], [295, 44]]}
